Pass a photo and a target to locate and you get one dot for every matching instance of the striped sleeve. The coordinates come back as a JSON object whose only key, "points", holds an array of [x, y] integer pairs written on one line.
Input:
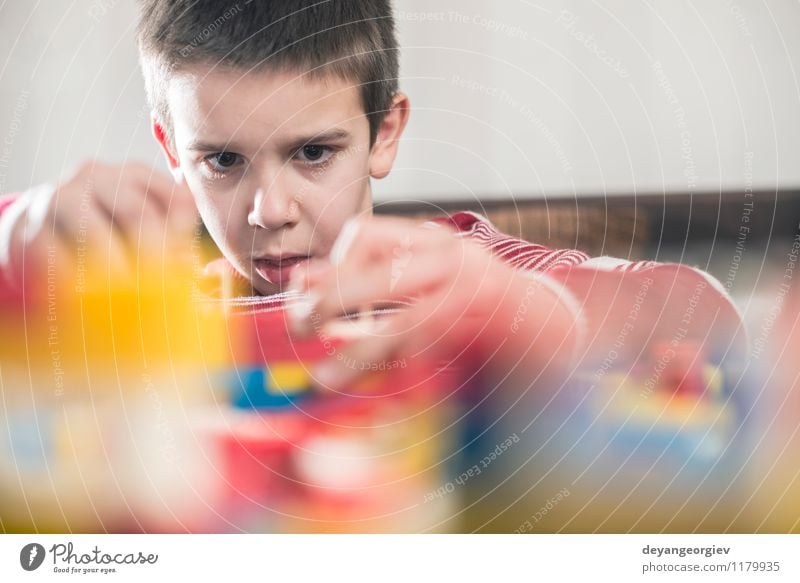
{"points": [[516, 252]]}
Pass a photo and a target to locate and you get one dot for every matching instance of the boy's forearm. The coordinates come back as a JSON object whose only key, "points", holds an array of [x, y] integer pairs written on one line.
{"points": [[622, 307], [628, 313], [535, 331], [581, 320]]}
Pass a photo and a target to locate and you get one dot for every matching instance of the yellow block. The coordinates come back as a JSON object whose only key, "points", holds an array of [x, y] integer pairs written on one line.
{"points": [[713, 379], [286, 378]]}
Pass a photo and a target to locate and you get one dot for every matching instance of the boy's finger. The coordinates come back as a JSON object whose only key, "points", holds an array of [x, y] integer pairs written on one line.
{"points": [[354, 360], [139, 219], [349, 288], [183, 216], [417, 331], [458, 272], [161, 187], [149, 209], [94, 238], [173, 200], [366, 240], [151, 231], [176, 201]]}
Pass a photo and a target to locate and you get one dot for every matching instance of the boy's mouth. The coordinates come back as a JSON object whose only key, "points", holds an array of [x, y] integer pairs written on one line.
{"points": [[276, 270]]}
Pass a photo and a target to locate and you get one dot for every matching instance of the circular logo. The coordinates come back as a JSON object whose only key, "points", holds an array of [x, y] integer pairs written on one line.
{"points": [[31, 556]]}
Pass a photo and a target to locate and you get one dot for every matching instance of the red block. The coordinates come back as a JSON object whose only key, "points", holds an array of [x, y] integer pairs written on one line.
{"points": [[259, 338], [257, 454], [682, 366]]}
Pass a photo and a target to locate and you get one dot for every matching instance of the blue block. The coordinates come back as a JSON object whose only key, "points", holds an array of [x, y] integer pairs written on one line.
{"points": [[248, 390], [31, 440]]}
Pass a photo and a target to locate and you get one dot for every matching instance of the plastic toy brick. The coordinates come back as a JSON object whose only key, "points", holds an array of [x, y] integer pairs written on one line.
{"points": [[287, 378], [256, 452], [681, 365], [696, 423], [31, 441], [254, 388], [258, 338]]}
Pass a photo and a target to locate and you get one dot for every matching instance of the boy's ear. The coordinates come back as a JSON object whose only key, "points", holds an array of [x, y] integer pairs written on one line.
{"points": [[384, 149], [163, 140]]}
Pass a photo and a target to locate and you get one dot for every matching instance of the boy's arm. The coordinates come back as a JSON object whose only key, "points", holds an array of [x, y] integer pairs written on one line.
{"points": [[625, 311], [534, 313]]}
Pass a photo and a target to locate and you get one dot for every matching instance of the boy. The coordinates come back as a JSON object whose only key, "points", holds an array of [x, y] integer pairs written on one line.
{"points": [[275, 120]]}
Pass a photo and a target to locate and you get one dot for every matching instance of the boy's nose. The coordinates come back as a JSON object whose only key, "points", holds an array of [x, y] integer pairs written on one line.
{"points": [[272, 210]]}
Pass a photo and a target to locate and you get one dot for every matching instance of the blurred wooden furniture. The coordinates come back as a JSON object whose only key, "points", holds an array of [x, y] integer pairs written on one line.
{"points": [[634, 227], [594, 228]]}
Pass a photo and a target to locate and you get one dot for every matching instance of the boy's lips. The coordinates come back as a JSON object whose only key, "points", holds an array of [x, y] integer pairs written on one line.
{"points": [[277, 269]]}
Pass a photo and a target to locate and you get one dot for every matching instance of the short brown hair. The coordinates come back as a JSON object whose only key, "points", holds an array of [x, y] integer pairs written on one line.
{"points": [[351, 39]]}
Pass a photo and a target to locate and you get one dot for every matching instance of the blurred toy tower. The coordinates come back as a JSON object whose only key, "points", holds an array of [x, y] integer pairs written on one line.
{"points": [[97, 376]]}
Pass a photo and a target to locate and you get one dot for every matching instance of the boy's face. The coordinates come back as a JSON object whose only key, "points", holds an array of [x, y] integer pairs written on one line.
{"points": [[277, 162]]}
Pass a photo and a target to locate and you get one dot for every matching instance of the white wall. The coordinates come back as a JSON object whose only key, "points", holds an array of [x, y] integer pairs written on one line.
{"points": [[71, 86], [513, 97], [509, 96]]}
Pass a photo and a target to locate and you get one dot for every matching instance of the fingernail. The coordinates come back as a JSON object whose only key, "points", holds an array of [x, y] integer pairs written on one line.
{"points": [[304, 276], [317, 269], [300, 310], [344, 241], [297, 279], [328, 374]]}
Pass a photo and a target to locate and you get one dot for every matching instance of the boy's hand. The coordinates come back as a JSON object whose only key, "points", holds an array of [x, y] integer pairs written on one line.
{"points": [[464, 299], [104, 214]]}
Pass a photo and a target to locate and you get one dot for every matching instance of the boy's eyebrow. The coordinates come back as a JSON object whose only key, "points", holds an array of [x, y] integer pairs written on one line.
{"points": [[201, 146], [330, 135], [297, 142]]}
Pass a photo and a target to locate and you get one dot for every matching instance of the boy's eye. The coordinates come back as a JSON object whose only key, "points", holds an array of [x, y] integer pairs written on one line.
{"points": [[314, 153], [222, 161]]}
